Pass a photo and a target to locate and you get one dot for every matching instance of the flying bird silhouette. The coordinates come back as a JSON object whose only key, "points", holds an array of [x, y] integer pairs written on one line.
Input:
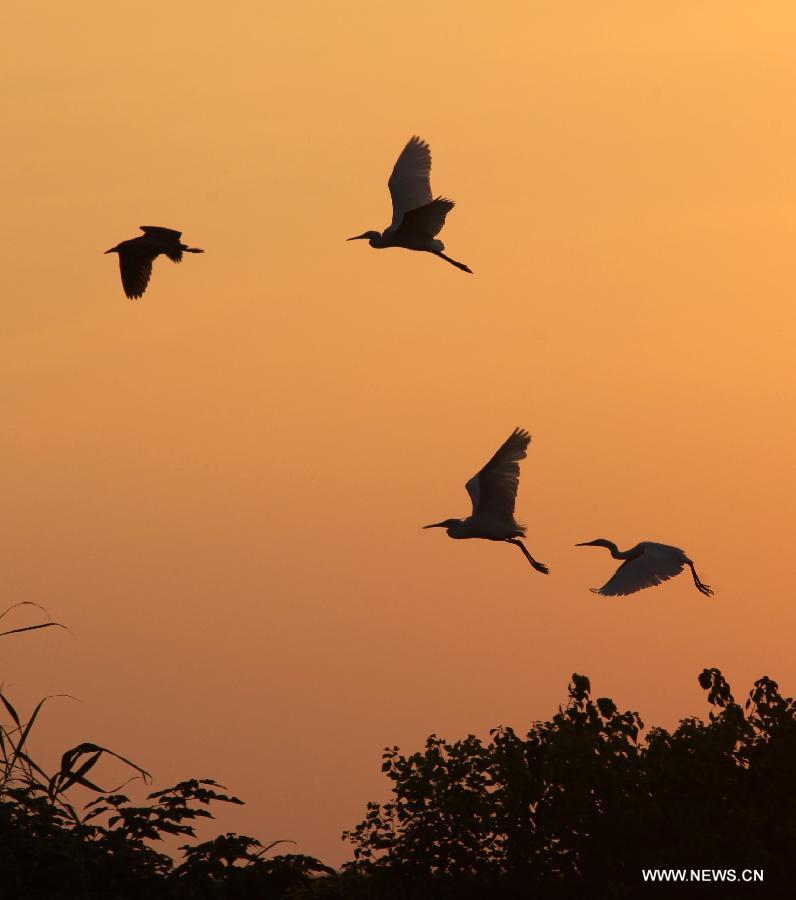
{"points": [[645, 565], [493, 492], [137, 255], [417, 217]]}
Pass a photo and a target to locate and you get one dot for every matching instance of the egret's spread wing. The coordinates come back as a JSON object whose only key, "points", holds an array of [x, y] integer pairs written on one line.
{"points": [[493, 490], [136, 267], [157, 231], [425, 222], [410, 182], [654, 566]]}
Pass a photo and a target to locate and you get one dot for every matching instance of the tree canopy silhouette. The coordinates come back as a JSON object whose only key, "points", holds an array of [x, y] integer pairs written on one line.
{"points": [[580, 804], [577, 807]]}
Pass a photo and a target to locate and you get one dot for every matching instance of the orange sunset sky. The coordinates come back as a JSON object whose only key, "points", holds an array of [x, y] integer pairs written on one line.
{"points": [[219, 488]]}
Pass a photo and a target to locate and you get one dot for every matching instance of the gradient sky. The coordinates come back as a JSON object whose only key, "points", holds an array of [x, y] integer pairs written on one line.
{"points": [[219, 488]]}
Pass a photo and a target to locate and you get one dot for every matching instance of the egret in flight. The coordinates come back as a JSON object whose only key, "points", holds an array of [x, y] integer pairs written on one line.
{"points": [[417, 217], [645, 565], [137, 255], [493, 492]]}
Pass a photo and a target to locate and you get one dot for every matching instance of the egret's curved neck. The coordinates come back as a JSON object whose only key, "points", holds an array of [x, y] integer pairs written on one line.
{"points": [[615, 551]]}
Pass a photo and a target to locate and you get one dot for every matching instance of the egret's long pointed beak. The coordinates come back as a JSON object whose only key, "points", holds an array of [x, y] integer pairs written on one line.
{"points": [[436, 525], [112, 250], [357, 237], [585, 544]]}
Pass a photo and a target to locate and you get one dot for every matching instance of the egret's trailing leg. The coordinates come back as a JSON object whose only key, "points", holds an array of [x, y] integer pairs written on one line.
{"points": [[453, 262], [540, 567], [701, 586]]}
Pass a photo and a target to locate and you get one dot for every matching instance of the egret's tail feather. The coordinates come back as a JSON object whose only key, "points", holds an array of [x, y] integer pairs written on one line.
{"points": [[453, 262]]}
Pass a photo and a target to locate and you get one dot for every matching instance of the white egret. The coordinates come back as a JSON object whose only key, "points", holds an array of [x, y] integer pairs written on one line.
{"points": [[417, 217], [493, 492], [137, 255], [645, 565]]}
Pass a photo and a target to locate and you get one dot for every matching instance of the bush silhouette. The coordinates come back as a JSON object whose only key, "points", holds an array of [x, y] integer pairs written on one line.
{"points": [[580, 804], [50, 849], [576, 807]]}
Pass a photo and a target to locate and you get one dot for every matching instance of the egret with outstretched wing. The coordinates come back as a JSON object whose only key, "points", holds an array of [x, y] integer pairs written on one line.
{"points": [[493, 492], [137, 255], [417, 217], [643, 566]]}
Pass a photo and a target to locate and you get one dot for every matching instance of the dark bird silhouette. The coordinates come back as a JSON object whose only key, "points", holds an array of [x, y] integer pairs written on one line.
{"points": [[493, 492], [417, 217], [645, 565], [137, 255]]}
